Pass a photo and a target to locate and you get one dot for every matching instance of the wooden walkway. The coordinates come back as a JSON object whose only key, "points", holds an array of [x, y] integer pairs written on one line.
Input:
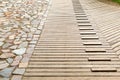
{"points": [[72, 48]]}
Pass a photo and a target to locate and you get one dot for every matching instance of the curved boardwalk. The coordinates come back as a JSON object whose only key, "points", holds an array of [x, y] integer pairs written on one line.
{"points": [[72, 47], [106, 17]]}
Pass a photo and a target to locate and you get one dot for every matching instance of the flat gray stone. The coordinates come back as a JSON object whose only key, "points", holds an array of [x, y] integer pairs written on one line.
{"points": [[30, 35], [12, 37], [4, 78], [23, 39], [14, 47], [4, 65], [23, 45], [17, 41], [2, 39], [7, 55], [2, 61], [6, 72], [1, 43], [24, 36], [35, 23], [6, 50], [19, 71], [6, 45], [9, 60], [16, 77], [40, 27], [26, 30], [20, 51], [38, 32], [33, 42], [16, 61], [23, 65]]}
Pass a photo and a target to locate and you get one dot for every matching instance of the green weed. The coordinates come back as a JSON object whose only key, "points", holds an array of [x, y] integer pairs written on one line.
{"points": [[116, 1]]}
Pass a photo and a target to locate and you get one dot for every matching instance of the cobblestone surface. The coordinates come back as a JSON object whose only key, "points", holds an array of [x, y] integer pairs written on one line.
{"points": [[19, 31]]}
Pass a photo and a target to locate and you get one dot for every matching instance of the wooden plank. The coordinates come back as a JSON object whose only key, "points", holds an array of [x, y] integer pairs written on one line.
{"points": [[102, 69], [95, 50], [82, 74], [86, 28], [88, 33], [84, 25], [72, 66], [98, 59], [90, 37], [92, 43]]}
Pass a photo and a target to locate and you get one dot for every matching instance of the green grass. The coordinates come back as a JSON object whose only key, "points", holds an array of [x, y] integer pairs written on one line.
{"points": [[116, 1]]}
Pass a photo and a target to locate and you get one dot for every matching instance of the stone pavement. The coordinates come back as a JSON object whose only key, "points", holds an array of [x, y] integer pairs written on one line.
{"points": [[21, 22], [72, 47]]}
